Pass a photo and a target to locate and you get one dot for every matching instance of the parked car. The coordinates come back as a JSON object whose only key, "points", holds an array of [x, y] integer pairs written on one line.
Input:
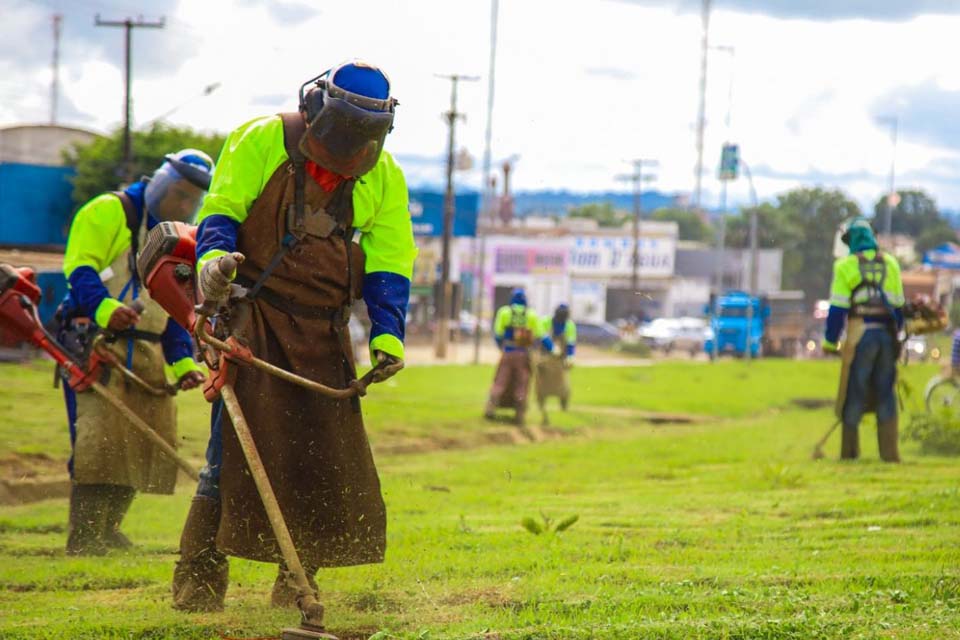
{"points": [[668, 334], [601, 333]]}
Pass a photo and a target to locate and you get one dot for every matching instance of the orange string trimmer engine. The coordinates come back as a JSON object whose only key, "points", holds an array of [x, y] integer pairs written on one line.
{"points": [[19, 295], [167, 266]]}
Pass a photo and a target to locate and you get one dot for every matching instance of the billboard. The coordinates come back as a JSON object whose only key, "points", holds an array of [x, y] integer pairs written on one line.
{"points": [[426, 212], [613, 256]]}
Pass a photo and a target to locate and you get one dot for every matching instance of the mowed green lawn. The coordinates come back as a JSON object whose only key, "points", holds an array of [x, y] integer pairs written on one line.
{"points": [[718, 529]]}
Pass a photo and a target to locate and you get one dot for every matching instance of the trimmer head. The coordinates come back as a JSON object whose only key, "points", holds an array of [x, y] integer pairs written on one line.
{"points": [[306, 633]]}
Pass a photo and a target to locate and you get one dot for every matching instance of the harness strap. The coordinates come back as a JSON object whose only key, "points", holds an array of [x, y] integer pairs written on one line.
{"points": [[336, 315], [133, 334], [293, 130]]}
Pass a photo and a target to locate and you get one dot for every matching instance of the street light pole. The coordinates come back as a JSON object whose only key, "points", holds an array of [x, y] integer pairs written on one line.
{"points": [[485, 215], [888, 223]]}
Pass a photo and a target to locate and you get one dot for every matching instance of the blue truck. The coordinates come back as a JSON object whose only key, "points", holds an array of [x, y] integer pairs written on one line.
{"points": [[732, 327]]}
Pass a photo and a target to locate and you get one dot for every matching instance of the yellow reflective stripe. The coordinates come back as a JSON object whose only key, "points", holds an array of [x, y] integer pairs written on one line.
{"points": [[387, 343], [213, 254], [183, 366], [104, 310]]}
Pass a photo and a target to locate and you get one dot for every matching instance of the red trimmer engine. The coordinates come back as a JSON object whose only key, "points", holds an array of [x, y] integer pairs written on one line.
{"points": [[167, 266], [19, 295]]}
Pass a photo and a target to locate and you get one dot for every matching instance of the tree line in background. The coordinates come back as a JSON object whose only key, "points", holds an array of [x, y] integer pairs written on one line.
{"points": [[99, 163], [803, 222]]}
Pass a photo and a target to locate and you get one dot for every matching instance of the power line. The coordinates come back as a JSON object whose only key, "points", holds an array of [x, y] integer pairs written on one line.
{"points": [[128, 26]]}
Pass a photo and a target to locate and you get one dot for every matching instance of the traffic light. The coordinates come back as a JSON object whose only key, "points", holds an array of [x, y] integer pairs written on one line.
{"points": [[730, 162]]}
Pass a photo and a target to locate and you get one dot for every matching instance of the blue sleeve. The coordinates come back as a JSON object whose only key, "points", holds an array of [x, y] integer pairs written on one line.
{"points": [[87, 291], [387, 295], [571, 349], [217, 232], [176, 342], [898, 316], [835, 321], [547, 343]]}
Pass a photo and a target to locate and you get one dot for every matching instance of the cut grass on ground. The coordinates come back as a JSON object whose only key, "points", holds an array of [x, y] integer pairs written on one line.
{"points": [[723, 529]]}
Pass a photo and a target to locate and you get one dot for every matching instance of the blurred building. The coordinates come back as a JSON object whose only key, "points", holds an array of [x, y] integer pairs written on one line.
{"points": [[36, 203], [35, 187]]}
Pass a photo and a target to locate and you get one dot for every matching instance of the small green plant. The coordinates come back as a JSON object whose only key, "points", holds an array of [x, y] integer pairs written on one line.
{"points": [[781, 476], [938, 433], [546, 524]]}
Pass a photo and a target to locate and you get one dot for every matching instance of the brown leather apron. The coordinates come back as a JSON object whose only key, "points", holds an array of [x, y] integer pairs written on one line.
{"points": [[315, 449]]}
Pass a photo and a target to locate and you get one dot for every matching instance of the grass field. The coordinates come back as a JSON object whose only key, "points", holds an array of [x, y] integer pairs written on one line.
{"points": [[721, 528]]}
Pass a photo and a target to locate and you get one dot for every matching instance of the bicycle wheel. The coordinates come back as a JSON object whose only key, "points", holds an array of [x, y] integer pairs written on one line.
{"points": [[943, 393]]}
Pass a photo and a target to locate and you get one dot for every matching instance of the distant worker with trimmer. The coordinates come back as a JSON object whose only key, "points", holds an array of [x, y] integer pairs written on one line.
{"points": [[111, 462], [289, 194], [867, 295], [517, 330]]}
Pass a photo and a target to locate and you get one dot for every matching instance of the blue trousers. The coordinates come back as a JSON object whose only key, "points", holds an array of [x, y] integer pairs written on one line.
{"points": [[872, 373], [209, 485], [70, 399]]}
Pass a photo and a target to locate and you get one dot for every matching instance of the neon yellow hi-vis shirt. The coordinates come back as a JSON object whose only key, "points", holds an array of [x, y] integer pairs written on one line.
{"points": [[254, 151], [510, 319], [98, 236], [846, 278], [569, 332]]}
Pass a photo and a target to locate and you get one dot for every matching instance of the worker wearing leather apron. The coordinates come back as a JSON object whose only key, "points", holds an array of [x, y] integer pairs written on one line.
{"points": [[290, 192], [867, 295], [111, 461], [516, 328]]}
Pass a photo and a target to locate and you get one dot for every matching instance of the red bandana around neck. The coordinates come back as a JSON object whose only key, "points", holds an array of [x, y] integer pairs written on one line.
{"points": [[328, 180]]}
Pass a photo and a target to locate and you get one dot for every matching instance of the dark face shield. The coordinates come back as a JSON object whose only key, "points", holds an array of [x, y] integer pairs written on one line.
{"points": [[345, 138]]}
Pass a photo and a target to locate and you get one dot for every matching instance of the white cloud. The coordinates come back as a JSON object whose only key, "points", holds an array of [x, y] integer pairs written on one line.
{"points": [[581, 87]]}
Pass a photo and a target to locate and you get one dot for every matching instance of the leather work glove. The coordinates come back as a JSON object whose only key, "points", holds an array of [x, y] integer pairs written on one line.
{"points": [[215, 279], [123, 318], [387, 366], [191, 380]]}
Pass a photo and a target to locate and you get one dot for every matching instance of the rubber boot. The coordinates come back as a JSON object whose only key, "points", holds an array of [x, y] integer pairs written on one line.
{"points": [[88, 512], [849, 443], [284, 594], [490, 411], [888, 434], [202, 573], [119, 500]]}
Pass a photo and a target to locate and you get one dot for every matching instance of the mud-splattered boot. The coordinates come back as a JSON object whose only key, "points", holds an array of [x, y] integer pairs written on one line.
{"points": [[119, 500], [888, 434], [284, 592], [202, 573], [88, 512]]}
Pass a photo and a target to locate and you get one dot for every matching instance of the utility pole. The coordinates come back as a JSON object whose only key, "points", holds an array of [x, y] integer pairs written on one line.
{"points": [[446, 289], [485, 215], [128, 25], [55, 68], [702, 112], [637, 178]]}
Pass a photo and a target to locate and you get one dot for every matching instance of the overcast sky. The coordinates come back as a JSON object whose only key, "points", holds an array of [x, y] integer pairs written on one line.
{"points": [[582, 86]]}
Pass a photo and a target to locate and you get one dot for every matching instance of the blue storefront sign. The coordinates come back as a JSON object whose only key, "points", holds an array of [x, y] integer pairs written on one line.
{"points": [[426, 212]]}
